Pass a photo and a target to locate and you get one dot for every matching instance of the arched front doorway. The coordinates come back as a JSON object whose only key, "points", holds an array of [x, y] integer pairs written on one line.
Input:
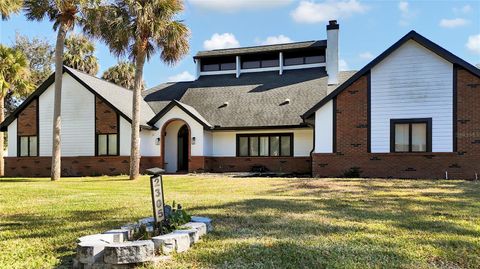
{"points": [[175, 146], [182, 149]]}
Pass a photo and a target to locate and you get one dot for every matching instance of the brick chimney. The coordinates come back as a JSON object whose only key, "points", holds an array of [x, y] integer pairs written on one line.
{"points": [[332, 52]]}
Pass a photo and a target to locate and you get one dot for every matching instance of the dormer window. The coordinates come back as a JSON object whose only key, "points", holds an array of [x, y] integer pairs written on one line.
{"points": [[304, 57], [218, 64], [260, 61]]}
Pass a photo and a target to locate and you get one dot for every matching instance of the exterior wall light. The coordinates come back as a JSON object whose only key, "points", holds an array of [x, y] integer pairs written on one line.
{"points": [[193, 140], [157, 141]]}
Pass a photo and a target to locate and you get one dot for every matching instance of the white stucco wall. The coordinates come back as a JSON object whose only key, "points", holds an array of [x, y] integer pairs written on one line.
{"points": [[12, 139], [324, 129], [78, 119], [148, 146], [412, 82], [207, 143], [224, 142]]}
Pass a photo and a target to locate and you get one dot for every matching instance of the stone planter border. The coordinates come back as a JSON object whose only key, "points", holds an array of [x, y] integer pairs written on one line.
{"points": [[112, 249]]}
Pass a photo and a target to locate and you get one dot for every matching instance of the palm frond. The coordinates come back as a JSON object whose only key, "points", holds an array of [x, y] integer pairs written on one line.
{"points": [[8, 7]]}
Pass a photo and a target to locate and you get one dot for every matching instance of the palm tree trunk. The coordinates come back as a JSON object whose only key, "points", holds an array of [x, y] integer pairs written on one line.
{"points": [[2, 141], [57, 120], [135, 140]]}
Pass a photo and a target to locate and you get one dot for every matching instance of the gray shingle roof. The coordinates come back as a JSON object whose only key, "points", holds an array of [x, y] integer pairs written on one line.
{"points": [[266, 48], [194, 112], [118, 96], [254, 99]]}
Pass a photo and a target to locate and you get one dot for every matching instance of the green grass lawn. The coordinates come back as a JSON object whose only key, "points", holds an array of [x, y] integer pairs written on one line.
{"points": [[259, 223]]}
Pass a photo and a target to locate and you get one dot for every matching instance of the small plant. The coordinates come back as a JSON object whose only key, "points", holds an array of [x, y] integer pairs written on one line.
{"points": [[175, 216], [353, 172], [141, 234]]}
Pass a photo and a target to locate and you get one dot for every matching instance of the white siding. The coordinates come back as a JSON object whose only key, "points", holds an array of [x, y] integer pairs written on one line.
{"points": [[78, 119], [412, 82], [224, 142], [12, 139], [45, 112], [125, 136], [324, 129]]}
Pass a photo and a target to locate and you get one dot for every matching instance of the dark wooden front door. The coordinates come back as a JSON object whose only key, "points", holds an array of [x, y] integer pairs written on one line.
{"points": [[182, 149]]}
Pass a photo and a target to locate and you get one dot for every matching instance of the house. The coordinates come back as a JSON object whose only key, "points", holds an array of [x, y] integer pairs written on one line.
{"points": [[412, 112]]}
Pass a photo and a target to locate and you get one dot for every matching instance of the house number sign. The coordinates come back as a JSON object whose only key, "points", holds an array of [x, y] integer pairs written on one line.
{"points": [[156, 184]]}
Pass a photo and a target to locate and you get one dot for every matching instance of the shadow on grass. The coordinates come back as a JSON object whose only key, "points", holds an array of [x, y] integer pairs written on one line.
{"points": [[73, 224], [291, 254], [20, 180], [446, 217], [65, 179]]}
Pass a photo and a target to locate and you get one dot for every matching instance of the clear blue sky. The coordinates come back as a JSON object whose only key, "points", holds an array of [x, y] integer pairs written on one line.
{"points": [[366, 28]]}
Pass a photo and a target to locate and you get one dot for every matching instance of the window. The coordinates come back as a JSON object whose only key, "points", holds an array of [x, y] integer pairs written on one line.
{"points": [[107, 144], [304, 57], [260, 61], [250, 64], [28, 146], [411, 135], [264, 145], [218, 64]]}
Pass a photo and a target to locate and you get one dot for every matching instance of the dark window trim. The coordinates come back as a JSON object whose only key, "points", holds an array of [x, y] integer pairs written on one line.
{"points": [[19, 149], [334, 127], [108, 138], [269, 135], [428, 121], [454, 110], [37, 122], [369, 112]]}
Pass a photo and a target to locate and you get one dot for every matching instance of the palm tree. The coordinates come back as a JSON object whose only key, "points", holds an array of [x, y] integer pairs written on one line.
{"points": [[122, 74], [139, 28], [8, 7], [79, 54], [14, 80], [64, 14]]}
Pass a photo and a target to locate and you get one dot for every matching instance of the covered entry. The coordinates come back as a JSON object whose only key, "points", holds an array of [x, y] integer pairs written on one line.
{"points": [[176, 146], [182, 138]]}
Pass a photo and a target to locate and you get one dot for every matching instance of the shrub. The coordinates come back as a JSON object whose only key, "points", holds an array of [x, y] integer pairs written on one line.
{"points": [[353, 172]]}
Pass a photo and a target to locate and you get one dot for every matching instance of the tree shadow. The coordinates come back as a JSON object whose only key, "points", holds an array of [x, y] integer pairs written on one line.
{"points": [[44, 227], [443, 211]]}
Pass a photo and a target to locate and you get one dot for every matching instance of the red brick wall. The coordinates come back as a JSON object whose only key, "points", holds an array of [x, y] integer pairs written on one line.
{"points": [[106, 119], [27, 120], [352, 136], [468, 116], [75, 166], [196, 164], [299, 165], [352, 118]]}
